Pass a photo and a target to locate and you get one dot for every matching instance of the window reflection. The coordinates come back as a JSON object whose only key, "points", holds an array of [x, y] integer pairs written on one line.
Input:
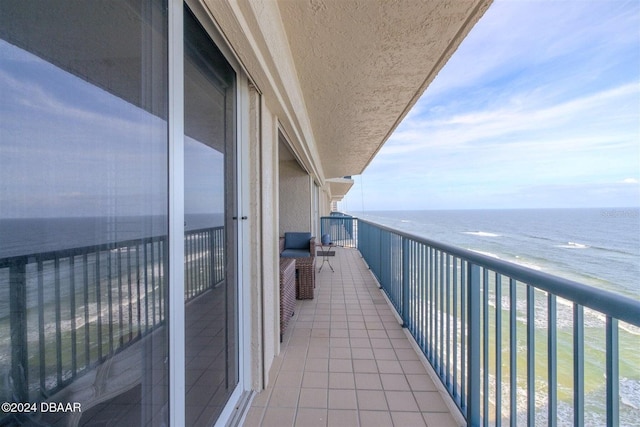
{"points": [[83, 199], [211, 352]]}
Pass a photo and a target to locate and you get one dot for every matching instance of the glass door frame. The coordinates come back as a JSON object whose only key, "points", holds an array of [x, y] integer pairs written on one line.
{"points": [[176, 361]]}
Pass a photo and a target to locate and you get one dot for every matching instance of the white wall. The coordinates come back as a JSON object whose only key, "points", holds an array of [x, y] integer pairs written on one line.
{"points": [[295, 197]]}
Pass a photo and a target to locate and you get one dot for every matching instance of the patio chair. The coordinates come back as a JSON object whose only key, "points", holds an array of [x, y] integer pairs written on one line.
{"points": [[302, 247]]}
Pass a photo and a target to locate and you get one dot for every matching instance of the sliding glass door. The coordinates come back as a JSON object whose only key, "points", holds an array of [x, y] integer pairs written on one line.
{"points": [[211, 350], [83, 212]]}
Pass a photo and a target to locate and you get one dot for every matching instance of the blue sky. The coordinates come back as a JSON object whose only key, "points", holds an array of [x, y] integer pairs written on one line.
{"points": [[539, 107]]}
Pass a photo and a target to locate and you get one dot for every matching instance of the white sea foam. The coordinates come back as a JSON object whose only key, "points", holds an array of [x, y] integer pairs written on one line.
{"points": [[481, 233], [489, 254], [574, 245]]}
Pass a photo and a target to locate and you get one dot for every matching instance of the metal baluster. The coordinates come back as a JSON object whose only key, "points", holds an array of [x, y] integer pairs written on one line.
{"points": [[447, 364], [153, 283], [498, 349], [120, 303], [455, 327], [146, 288], [405, 285], [485, 346], [578, 365], [56, 274], [513, 353], [99, 304], [441, 313], [552, 363], [72, 298], [130, 293], [41, 336], [110, 299], [87, 333], [473, 398], [531, 352], [613, 392]]}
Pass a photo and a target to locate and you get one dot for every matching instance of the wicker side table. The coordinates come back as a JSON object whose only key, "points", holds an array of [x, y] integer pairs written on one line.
{"points": [[306, 277], [287, 292]]}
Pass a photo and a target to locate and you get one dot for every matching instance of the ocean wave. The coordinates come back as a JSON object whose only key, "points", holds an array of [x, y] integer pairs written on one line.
{"points": [[489, 254], [527, 264], [574, 245], [481, 233]]}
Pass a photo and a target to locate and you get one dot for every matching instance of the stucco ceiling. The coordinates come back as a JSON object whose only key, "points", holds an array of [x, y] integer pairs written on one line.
{"points": [[363, 63]]}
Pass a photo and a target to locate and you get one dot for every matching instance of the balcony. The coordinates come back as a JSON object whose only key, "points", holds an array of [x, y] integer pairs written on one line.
{"points": [[347, 361]]}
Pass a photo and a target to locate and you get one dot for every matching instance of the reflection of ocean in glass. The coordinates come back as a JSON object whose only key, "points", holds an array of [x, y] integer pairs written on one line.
{"points": [[98, 295], [597, 247]]}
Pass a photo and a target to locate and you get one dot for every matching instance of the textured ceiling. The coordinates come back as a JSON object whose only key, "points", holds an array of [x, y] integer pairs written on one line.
{"points": [[363, 64]]}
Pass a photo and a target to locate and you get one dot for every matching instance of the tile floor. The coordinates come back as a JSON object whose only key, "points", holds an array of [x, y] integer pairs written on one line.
{"points": [[345, 361]]}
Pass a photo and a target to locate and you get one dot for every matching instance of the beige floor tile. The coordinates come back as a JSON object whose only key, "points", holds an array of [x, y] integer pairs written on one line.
{"points": [[278, 417], [343, 418], [358, 333], [394, 382], [320, 364], [406, 354], [340, 365], [342, 399], [413, 367], [313, 398], [413, 419], [430, 401], [339, 333], [260, 400], [389, 367], [311, 417], [375, 419], [340, 353], [344, 380], [254, 417], [339, 342], [401, 401], [362, 353], [284, 397], [439, 419], [421, 382], [384, 354], [290, 379], [368, 381], [365, 366], [372, 400], [315, 380]]}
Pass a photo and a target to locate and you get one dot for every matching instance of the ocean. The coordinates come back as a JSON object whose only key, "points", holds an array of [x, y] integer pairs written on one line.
{"points": [[596, 247]]}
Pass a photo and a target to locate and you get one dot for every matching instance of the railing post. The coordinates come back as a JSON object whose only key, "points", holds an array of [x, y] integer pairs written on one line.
{"points": [[613, 377], [405, 283], [473, 347], [18, 326]]}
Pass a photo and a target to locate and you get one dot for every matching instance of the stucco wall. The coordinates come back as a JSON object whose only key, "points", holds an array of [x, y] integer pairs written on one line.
{"points": [[295, 197], [270, 284]]}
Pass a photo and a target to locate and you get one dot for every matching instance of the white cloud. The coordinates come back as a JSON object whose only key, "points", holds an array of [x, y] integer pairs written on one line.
{"points": [[541, 95]]}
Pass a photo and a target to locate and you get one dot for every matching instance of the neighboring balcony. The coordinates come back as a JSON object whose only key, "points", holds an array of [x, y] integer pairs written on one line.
{"points": [[346, 361]]}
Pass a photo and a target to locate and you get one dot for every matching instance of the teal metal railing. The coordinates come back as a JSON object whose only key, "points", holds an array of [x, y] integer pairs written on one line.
{"points": [[342, 228], [72, 309], [511, 345]]}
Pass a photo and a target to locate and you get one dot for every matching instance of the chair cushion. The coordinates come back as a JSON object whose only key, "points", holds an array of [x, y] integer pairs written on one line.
{"points": [[297, 240], [295, 253]]}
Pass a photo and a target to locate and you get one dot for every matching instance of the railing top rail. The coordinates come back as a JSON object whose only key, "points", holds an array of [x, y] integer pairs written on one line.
{"points": [[603, 301], [67, 252]]}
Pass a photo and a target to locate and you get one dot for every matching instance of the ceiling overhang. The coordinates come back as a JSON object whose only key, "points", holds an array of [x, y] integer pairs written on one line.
{"points": [[339, 187], [362, 65]]}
